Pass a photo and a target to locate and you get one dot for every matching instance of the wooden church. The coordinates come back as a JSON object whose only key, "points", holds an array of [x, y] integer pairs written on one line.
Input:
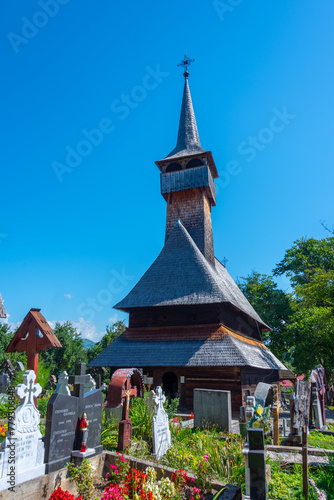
{"points": [[190, 326]]}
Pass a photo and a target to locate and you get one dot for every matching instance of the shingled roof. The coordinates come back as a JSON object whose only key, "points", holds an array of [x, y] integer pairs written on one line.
{"points": [[181, 275], [212, 345], [188, 142]]}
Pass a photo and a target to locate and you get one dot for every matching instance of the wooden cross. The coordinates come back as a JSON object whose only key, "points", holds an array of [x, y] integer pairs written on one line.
{"points": [[127, 392]]}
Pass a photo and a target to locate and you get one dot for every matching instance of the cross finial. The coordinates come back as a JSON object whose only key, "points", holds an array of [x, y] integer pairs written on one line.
{"points": [[224, 261], [28, 389], [185, 63], [159, 398]]}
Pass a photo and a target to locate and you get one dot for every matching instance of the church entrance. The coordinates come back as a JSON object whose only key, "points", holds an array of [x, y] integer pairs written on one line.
{"points": [[170, 385]]}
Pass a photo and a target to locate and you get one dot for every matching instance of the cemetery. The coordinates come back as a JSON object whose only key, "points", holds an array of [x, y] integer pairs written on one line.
{"points": [[212, 389]]}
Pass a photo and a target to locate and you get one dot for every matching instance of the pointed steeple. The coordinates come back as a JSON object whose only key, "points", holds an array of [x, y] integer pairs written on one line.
{"points": [[188, 142]]}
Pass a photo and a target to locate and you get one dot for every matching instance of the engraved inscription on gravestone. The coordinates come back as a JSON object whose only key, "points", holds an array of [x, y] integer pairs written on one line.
{"points": [[61, 421], [160, 426]]}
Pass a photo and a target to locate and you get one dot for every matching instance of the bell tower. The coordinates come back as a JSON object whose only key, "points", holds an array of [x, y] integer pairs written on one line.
{"points": [[187, 178]]}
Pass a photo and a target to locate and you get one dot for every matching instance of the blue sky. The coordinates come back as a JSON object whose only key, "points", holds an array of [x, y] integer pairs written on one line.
{"points": [[77, 231]]}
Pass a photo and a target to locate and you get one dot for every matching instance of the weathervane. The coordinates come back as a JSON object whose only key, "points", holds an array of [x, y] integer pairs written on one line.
{"points": [[186, 62]]}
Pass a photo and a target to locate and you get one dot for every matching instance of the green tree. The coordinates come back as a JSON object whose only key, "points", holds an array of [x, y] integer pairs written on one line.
{"points": [[6, 336], [309, 264], [72, 351], [112, 332], [273, 306], [305, 259]]}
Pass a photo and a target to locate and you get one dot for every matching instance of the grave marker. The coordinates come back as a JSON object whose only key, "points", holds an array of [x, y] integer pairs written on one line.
{"points": [[160, 426], [255, 465], [212, 407], [62, 384], [33, 335], [62, 432], [23, 442], [263, 394]]}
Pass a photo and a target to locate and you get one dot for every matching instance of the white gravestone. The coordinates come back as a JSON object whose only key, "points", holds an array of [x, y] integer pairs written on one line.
{"points": [[91, 385], [160, 426], [22, 453], [62, 384]]}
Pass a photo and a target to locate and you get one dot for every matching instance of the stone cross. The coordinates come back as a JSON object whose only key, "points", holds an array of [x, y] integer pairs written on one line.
{"points": [[79, 380], [28, 388], [62, 384], [159, 398]]}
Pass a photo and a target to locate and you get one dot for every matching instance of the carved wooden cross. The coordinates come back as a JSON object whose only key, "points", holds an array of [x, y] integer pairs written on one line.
{"points": [[127, 392]]}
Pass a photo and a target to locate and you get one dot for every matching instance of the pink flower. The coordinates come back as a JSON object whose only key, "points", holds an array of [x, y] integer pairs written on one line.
{"points": [[107, 475]]}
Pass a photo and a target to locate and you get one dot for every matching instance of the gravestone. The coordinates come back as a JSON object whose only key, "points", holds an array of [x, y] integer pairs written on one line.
{"points": [[263, 394], [255, 465], [212, 407], [4, 382], [22, 453], [160, 426], [90, 384], [317, 420], [62, 420], [62, 384]]}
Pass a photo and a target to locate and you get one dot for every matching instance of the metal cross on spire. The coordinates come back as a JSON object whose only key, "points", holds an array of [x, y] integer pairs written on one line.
{"points": [[185, 63]]}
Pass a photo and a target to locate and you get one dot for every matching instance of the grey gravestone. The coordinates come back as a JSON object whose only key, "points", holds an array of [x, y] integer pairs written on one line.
{"points": [[160, 426], [4, 382], [263, 394], [23, 442], [63, 414], [255, 466], [212, 408], [61, 421]]}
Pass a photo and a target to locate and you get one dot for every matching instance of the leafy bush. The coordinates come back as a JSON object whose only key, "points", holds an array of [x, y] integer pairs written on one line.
{"points": [[83, 478]]}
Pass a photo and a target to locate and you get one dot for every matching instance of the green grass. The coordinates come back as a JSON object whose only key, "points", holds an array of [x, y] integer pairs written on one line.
{"points": [[287, 481], [319, 440]]}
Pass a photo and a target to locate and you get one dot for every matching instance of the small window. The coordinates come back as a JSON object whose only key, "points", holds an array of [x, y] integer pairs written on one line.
{"points": [[195, 162], [173, 167]]}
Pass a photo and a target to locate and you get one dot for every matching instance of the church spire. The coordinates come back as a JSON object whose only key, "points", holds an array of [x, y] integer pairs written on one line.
{"points": [[188, 142]]}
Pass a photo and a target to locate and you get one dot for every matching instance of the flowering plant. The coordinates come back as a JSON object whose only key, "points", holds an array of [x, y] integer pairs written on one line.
{"points": [[59, 494], [261, 418], [180, 478], [202, 474], [120, 470]]}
